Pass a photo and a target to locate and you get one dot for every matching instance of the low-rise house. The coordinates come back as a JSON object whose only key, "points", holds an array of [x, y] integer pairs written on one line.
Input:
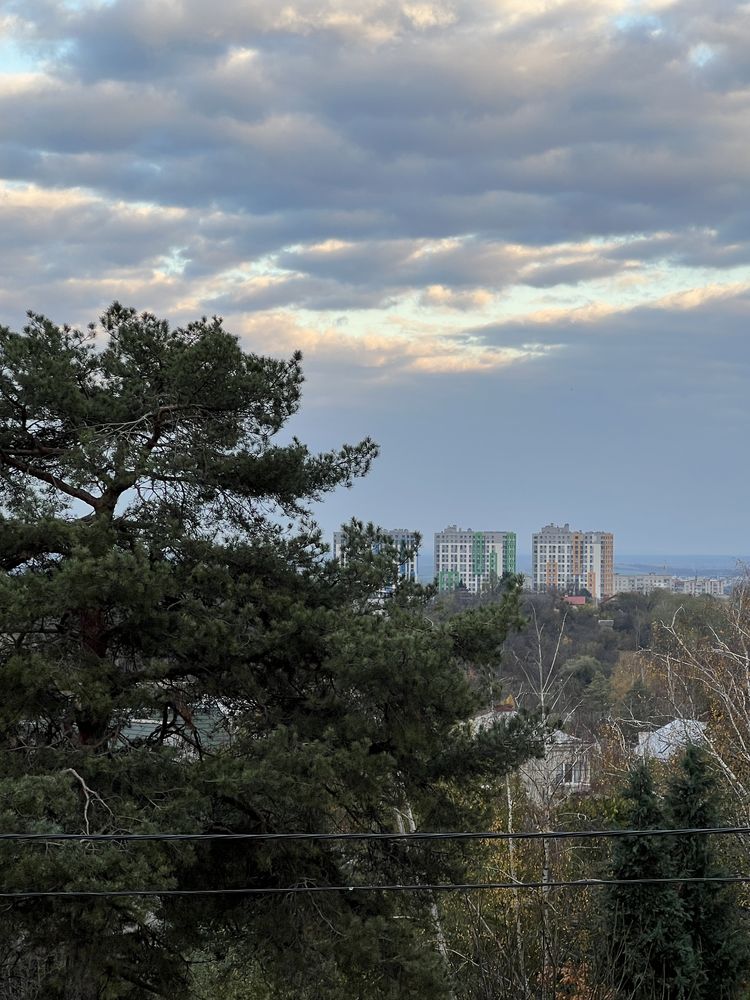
{"points": [[565, 769], [664, 743]]}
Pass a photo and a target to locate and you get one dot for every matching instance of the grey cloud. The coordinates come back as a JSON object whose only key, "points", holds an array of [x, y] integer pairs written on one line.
{"points": [[570, 273], [576, 436], [674, 348], [69, 255], [303, 293], [447, 135], [385, 133], [472, 263], [85, 238], [321, 132], [371, 273], [70, 118]]}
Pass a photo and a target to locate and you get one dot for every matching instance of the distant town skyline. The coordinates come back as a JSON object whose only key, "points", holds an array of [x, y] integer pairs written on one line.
{"points": [[681, 564], [562, 559]]}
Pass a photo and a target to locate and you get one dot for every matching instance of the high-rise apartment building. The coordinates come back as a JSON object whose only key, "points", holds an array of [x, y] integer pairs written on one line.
{"points": [[473, 559], [570, 561], [405, 541]]}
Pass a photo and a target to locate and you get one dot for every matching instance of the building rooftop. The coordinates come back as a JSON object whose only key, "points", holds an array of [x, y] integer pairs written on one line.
{"points": [[661, 744]]}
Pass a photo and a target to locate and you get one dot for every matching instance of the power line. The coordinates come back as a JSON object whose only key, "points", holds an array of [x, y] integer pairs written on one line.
{"points": [[368, 836], [408, 887], [491, 835]]}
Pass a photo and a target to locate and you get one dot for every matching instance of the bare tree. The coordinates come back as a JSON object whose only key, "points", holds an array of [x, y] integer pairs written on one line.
{"points": [[703, 672]]}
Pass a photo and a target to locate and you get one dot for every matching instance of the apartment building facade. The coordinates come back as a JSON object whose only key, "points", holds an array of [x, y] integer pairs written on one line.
{"points": [[567, 561], [472, 559], [642, 583], [699, 586], [405, 540], [646, 583]]}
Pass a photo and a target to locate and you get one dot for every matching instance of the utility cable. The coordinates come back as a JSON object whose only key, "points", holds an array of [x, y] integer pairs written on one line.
{"points": [[408, 887], [369, 836]]}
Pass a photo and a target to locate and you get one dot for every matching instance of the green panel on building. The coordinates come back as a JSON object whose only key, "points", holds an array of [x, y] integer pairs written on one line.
{"points": [[448, 579], [478, 555], [509, 552]]}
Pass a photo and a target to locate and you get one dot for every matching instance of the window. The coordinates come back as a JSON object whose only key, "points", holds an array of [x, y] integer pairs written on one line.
{"points": [[571, 772]]}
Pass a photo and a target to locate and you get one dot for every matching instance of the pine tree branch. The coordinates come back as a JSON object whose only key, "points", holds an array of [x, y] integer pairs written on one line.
{"points": [[47, 477], [38, 451]]}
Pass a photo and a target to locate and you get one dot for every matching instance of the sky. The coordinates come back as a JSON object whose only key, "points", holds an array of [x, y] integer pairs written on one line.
{"points": [[511, 237]]}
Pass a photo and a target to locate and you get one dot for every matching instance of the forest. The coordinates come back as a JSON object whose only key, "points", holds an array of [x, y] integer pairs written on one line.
{"points": [[603, 678]]}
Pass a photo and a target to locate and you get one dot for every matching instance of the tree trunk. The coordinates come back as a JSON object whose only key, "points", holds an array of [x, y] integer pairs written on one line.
{"points": [[516, 892], [92, 723]]}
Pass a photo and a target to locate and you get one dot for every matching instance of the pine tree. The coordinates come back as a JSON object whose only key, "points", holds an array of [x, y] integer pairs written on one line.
{"points": [[717, 928], [651, 950], [160, 568]]}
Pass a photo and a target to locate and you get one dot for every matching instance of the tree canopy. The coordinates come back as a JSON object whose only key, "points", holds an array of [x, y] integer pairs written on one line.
{"points": [[177, 654], [717, 926], [654, 954]]}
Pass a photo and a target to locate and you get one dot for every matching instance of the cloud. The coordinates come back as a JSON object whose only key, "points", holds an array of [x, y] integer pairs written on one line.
{"points": [[525, 123], [636, 425], [375, 357], [519, 215]]}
